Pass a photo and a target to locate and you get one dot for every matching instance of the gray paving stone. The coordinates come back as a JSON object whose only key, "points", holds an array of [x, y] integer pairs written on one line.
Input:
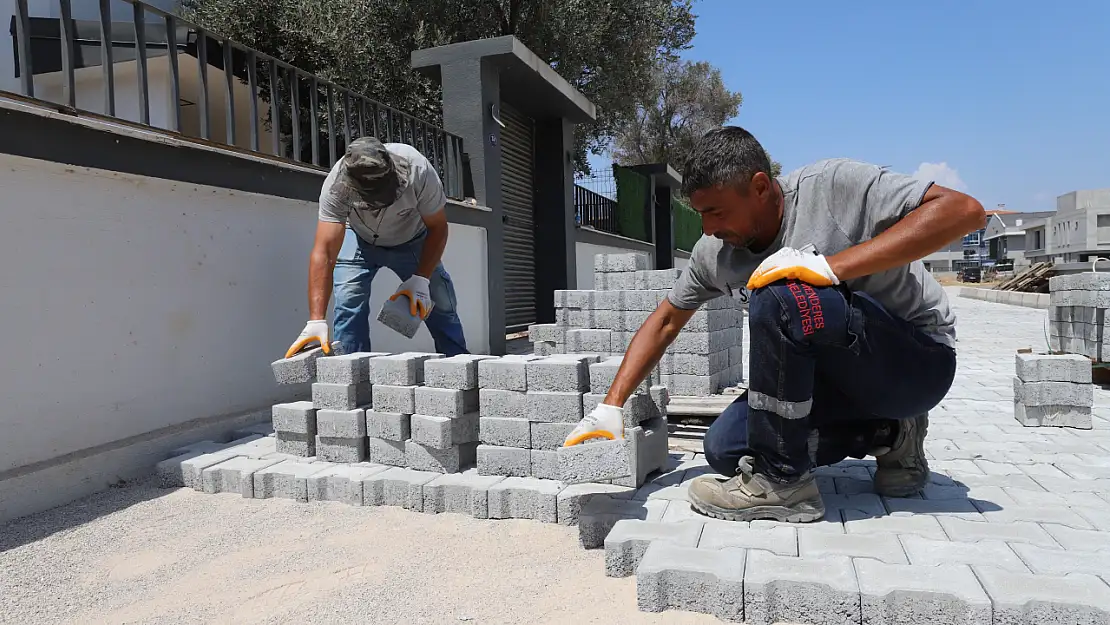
{"points": [[598, 516], [286, 480], [1053, 393], [589, 340], [898, 594], [504, 461], [465, 493], [341, 396], [524, 498], [295, 417], [929, 552], [544, 464], [1078, 540], [397, 487], [445, 402], [1026, 599], [185, 469], [508, 373], [444, 432], [448, 460], [856, 522], [235, 475], [957, 508], [1078, 417], [293, 444], [346, 368], [1053, 368], [509, 431], [456, 372], [573, 497], [390, 426], [1017, 532], [794, 590], [777, 539], [594, 461], [347, 450], [300, 368], [1037, 514], [399, 369], [553, 406], [1049, 561], [672, 577], [501, 404], [387, 452], [547, 436], [881, 547], [614, 263], [341, 483], [395, 399], [341, 423], [556, 374], [629, 539]]}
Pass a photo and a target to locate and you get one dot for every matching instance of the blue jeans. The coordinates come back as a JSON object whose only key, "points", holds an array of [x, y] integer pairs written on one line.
{"points": [[355, 269], [829, 368]]}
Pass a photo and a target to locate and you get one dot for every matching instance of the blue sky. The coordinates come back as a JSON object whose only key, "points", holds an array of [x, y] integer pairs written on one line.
{"points": [[1008, 100]]}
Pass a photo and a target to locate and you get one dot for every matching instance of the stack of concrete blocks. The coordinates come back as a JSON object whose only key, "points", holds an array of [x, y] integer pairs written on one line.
{"points": [[444, 428], [1077, 313], [295, 423], [341, 395], [389, 422], [706, 358], [529, 404], [1053, 391]]}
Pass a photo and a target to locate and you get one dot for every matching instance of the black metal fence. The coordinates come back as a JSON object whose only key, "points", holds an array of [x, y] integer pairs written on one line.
{"points": [[311, 120], [595, 210]]}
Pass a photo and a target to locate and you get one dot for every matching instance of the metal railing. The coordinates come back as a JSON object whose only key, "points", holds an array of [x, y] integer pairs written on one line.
{"points": [[595, 210], [311, 120]]}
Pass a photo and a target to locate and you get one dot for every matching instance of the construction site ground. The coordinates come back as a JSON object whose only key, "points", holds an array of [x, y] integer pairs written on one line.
{"points": [[141, 554]]}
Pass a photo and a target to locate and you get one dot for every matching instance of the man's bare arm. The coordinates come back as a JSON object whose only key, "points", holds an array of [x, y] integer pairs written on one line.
{"points": [[943, 216], [321, 264], [434, 243], [648, 346]]}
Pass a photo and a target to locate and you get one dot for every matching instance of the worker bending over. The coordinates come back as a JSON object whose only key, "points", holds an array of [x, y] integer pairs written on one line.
{"points": [[852, 341], [393, 201]]}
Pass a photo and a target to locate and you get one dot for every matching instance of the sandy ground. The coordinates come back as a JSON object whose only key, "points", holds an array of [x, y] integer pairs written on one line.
{"points": [[140, 554]]}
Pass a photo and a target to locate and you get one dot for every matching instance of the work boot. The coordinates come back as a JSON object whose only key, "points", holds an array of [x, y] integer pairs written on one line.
{"points": [[904, 471], [750, 496]]}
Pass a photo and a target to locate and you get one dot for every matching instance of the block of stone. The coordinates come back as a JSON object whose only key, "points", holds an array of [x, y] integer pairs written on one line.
{"points": [[548, 436], [347, 450], [599, 514], [196, 449], [234, 475], [286, 480], [705, 342], [397, 487], [1053, 393], [603, 373], [449, 460], [508, 373], [1053, 368], [395, 399], [545, 349], [502, 404], [648, 451], [303, 445], [543, 464], [776, 538], [507, 431], [300, 368], [464, 493], [445, 402], [792, 590], [674, 577], [1086, 281], [618, 263], [661, 397], [930, 552], [573, 497], [387, 452], [399, 369], [504, 461], [895, 594], [457, 372], [629, 539], [589, 340], [695, 385], [444, 432], [1078, 417], [553, 406], [1026, 599], [713, 320], [524, 498], [558, 374], [296, 417], [595, 461], [881, 547], [341, 483], [341, 423], [341, 396], [391, 426], [345, 369], [617, 281], [547, 332], [658, 279]]}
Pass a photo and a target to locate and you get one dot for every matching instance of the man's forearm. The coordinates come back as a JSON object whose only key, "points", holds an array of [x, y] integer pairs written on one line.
{"points": [[320, 268], [647, 347], [432, 253]]}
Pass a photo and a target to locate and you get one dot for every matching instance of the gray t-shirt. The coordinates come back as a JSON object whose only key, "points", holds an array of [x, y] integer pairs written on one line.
{"points": [[401, 221], [832, 205]]}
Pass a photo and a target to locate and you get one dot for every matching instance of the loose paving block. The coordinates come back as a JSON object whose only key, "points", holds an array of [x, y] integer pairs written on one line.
{"points": [[594, 461], [558, 374], [390, 426], [300, 368], [778, 539], [673, 577], [1056, 561], [1053, 393], [461, 493], [508, 373], [509, 432], [553, 406], [448, 460], [547, 436], [502, 404], [397, 487], [341, 449], [598, 516], [648, 451], [550, 332], [618, 281], [881, 547], [658, 279], [341, 423], [897, 594], [792, 590], [398, 369], [629, 539], [589, 340], [1078, 417], [345, 369], [445, 402], [341, 483], [388, 452], [233, 476], [603, 373], [395, 399], [614, 263], [296, 417], [444, 432], [524, 498], [457, 372], [544, 464], [303, 445], [286, 480], [185, 469], [705, 342], [1025, 599], [573, 497], [1086, 281], [341, 396], [504, 461], [1053, 368], [929, 552]]}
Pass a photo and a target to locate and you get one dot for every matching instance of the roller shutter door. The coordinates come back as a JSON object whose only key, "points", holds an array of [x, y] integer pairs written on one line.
{"points": [[517, 185]]}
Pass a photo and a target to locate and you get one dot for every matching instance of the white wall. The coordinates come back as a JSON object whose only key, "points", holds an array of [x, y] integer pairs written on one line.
{"points": [[137, 303]]}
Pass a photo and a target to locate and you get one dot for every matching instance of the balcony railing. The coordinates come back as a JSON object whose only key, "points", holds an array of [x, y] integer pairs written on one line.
{"points": [[310, 120]]}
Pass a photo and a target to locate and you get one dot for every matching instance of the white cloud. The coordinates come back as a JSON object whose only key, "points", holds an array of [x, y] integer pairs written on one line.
{"points": [[941, 174]]}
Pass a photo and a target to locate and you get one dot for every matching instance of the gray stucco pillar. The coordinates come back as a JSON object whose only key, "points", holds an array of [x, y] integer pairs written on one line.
{"points": [[556, 266]]}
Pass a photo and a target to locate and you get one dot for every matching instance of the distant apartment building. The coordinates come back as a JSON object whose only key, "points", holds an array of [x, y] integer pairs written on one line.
{"points": [[1077, 231], [1005, 237], [972, 250]]}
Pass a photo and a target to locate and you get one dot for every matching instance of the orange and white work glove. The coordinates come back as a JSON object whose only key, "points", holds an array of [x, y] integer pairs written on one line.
{"points": [[314, 331], [791, 264], [605, 421], [417, 290]]}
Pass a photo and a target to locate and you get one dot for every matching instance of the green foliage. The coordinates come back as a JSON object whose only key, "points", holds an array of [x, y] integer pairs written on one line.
{"points": [[607, 49], [687, 225], [633, 193]]}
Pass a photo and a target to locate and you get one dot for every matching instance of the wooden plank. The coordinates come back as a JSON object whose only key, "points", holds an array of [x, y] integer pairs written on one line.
{"points": [[710, 406]]}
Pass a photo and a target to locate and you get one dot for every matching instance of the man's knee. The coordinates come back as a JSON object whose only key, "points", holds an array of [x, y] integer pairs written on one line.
{"points": [[726, 439], [800, 310], [442, 291]]}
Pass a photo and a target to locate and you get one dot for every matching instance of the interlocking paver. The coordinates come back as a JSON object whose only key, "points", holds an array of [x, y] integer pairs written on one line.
{"points": [[929, 552], [795, 590], [1026, 599], [897, 594]]}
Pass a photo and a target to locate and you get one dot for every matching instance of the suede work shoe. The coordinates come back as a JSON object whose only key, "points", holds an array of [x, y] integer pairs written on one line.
{"points": [[904, 471], [750, 497]]}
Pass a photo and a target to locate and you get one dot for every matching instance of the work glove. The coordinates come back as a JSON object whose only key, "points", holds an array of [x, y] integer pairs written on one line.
{"points": [[605, 421], [791, 264], [420, 299], [313, 331]]}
